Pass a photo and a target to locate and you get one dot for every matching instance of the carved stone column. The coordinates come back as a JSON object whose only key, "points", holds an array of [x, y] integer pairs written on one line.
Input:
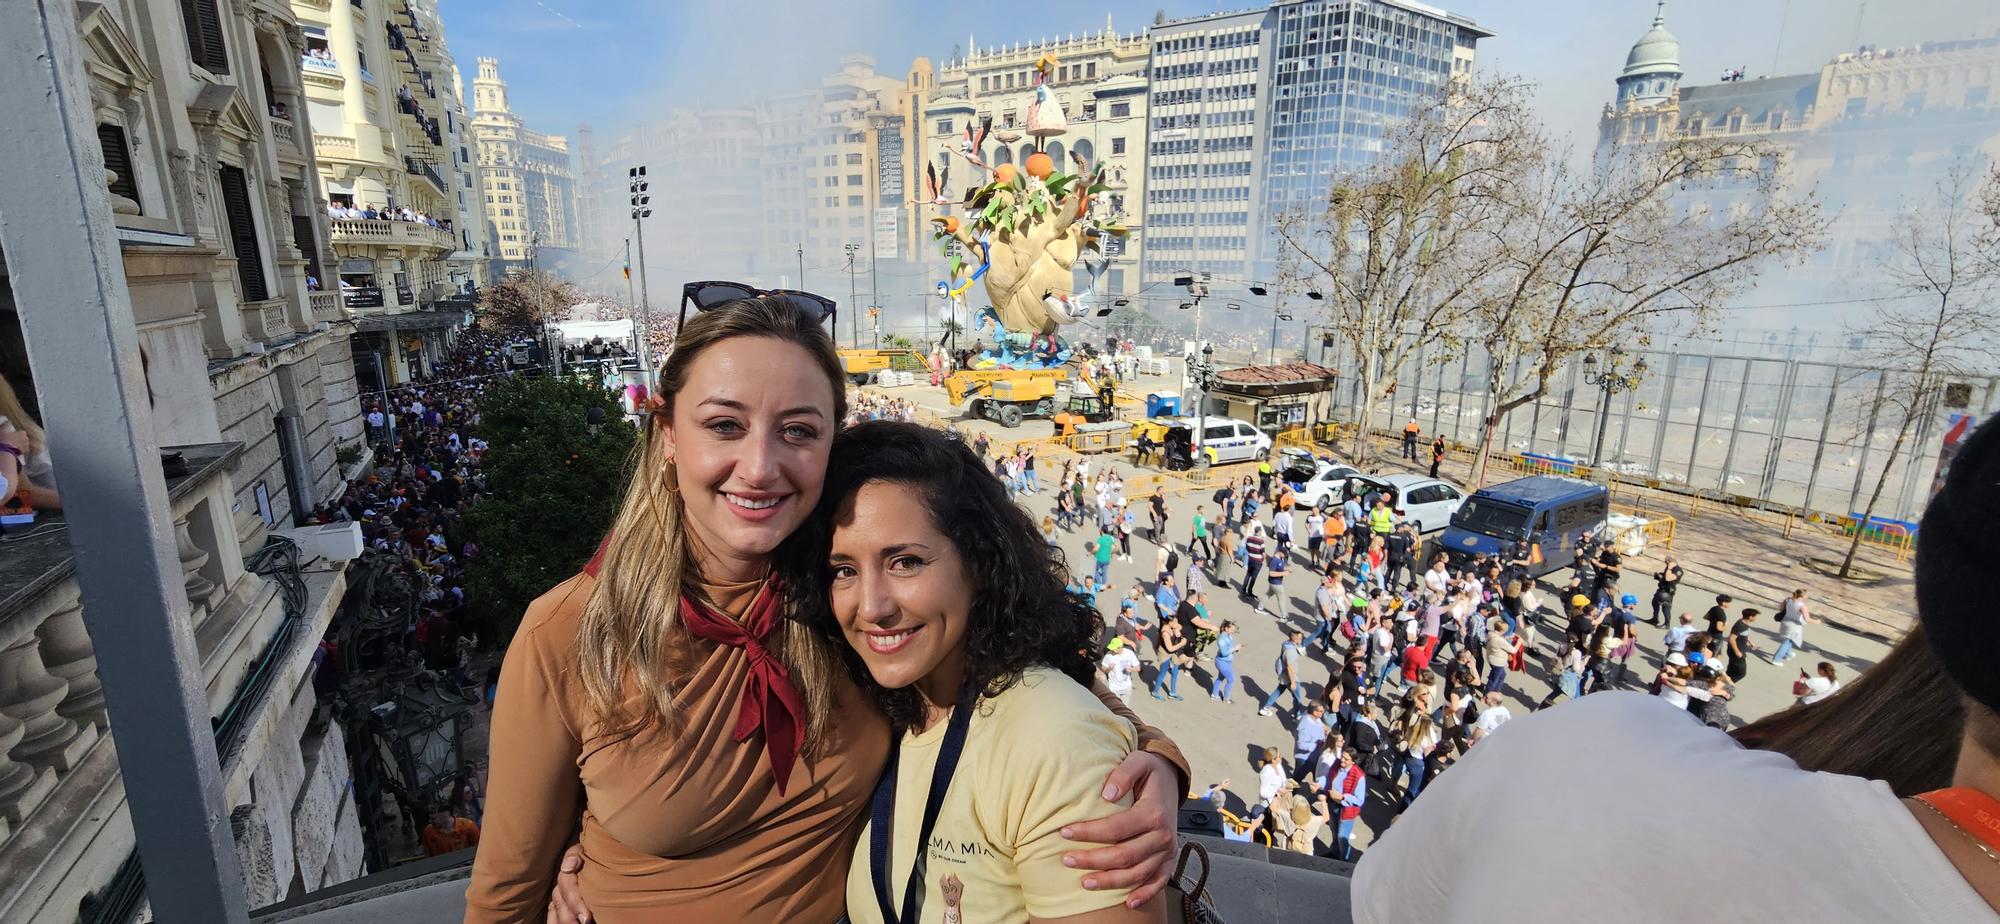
{"points": [[66, 650], [22, 786], [198, 588], [29, 694]]}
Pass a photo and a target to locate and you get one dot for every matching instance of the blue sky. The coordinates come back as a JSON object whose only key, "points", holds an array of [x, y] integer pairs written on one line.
{"points": [[613, 62]]}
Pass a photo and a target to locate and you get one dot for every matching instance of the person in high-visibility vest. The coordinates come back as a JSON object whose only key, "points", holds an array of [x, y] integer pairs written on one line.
{"points": [[1381, 520], [1410, 431]]}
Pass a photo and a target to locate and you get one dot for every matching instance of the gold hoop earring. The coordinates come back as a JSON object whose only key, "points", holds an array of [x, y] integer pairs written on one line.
{"points": [[673, 478]]}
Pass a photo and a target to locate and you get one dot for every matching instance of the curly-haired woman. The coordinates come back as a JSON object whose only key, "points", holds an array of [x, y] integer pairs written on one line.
{"points": [[969, 643]]}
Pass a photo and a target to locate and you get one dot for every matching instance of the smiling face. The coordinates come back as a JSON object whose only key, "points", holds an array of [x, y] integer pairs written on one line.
{"points": [[900, 590], [749, 435]]}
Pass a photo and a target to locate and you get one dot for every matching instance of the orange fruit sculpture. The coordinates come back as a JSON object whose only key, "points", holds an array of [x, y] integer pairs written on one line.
{"points": [[1039, 165], [1004, 174]]}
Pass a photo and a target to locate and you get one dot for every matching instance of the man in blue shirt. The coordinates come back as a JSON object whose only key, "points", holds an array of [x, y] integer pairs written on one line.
{"points": [[1167, 598], [1311, 734]]}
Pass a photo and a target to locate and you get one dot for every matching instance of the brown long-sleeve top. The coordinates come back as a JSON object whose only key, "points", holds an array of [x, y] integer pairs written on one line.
{"points": [[687, 821]]}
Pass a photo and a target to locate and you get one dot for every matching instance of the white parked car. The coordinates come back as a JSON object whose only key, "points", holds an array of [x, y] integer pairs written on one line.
{"points": [[1427, 502], [1318, 482], [1226, 439]]}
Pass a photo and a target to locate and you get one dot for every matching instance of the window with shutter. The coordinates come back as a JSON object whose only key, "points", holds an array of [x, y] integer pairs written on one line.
{"points": [[243, 233], [203, 23], [118, 160]]}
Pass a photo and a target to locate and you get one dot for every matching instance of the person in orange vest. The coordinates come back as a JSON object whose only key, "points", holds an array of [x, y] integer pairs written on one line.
{"points": [[449, 834], [1410, 431]]}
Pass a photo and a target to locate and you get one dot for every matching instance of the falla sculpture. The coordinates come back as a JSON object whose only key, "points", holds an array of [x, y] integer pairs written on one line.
{"points": [[1021, 233]]}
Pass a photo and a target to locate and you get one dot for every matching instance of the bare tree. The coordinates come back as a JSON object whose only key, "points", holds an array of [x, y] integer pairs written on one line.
{"points": [[526, 300], [1650, 239], [1398, 248], [1938, 324]]}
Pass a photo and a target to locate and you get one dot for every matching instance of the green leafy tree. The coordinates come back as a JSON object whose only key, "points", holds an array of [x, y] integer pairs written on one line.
{"points": [[555, 487]]}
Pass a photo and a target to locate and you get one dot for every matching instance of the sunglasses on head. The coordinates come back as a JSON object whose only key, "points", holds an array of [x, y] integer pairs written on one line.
{"points": [[706, 295]]}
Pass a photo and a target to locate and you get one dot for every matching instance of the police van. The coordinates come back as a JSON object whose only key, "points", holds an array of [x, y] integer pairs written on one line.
{"points": [[1550, 511], [1226, 439]]}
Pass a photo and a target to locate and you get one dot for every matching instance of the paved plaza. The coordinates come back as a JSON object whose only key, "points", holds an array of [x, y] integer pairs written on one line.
{"points": [[1721, 552]]}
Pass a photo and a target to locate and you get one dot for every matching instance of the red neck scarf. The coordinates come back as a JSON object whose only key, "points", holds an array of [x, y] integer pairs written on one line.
{"points": [[769, 701]]}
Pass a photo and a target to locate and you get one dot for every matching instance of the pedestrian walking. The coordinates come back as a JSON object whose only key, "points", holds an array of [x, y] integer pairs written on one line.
{"points": [[1275, 569], [1351, 785], [1793, 615], [1291, 656], [1226, 647], [1101, 551], [1666, 581], [1119, 665], [1198, 542], [1253, 549], [1437, 454], [1173, 648], [1740, 646], [1410, 431]]}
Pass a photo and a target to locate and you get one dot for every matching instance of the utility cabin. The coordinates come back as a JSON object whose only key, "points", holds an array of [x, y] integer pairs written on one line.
{"points": [[1286, 396]]}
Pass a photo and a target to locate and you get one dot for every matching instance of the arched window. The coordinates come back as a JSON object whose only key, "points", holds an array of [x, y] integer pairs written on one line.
{"points": [[1056, 154], [1084, 150], [1026, 149], [1002, 155]]}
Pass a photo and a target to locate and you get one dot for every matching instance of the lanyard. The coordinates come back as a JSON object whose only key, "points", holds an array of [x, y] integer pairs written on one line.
{"points": [[1971, 811], [882, 814]]}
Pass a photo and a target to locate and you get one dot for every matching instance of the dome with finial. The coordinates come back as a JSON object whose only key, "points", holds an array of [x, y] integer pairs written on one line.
{"points": [[1656, 52]]}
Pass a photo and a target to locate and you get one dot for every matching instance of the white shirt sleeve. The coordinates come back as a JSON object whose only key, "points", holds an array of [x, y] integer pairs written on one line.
{"points": [[1865, 855]]}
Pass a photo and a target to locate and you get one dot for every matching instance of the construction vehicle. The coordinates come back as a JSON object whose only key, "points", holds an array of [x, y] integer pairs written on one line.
{"points": [[1088, 424], [1007, 396], [860, 365]]}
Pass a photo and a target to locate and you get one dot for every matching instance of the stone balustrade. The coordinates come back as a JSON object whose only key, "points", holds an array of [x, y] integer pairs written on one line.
{"points": [[63, 829], [325, 305], [390, 233]]}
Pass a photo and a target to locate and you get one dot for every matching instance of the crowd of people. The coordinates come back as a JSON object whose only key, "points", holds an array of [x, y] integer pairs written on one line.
{"points": [[1420, 651], [349, 211], [426, 474]]}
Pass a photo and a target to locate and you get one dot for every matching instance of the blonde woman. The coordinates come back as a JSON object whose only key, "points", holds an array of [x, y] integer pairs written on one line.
{"points": [[713, 753], [1302, 820], [37, 481]]}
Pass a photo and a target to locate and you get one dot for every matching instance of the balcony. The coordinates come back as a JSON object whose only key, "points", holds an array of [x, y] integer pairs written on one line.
{"points": [[428, 171], [325, 305], [64, 833], [336, 147], [380, 233]]}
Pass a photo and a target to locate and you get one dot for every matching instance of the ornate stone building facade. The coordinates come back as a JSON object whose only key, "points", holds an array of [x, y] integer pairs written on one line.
{"points": [[204, 138]]}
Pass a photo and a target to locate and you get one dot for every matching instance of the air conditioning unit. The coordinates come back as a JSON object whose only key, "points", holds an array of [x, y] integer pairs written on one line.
{"points": [[332, 541]]}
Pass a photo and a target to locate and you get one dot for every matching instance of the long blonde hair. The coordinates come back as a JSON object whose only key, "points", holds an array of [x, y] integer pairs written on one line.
{"points": [[17, 414], [629, 637]]}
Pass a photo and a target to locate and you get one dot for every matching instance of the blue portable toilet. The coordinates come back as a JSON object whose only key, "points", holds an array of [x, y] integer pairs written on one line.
{"points": [[1163, 404]]}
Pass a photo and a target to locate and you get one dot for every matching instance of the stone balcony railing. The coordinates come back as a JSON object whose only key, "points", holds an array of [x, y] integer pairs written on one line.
{"points": [[325, 305], [64, 831], [379, 232], [335, 147], [283, 130]]}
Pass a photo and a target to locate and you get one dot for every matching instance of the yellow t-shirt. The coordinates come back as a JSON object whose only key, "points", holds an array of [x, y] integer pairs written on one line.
{"points": [[1035, 759]]}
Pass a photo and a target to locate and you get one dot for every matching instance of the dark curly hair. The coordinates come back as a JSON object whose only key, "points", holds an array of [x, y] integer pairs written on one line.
{"points": [[1022, 615]]}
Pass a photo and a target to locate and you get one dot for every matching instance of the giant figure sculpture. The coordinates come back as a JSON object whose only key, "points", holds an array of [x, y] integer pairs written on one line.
{"points": [[1022, 233]]}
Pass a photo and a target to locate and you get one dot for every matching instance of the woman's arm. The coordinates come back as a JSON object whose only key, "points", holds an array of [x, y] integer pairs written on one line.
{"points": [[1141, 855], [533, 794]]}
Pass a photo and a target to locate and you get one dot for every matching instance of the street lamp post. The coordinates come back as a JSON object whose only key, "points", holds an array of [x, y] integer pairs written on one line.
{"points": [[642, 209], [854, 319], [1203, 372], [1610, 382], [1271, 355]]}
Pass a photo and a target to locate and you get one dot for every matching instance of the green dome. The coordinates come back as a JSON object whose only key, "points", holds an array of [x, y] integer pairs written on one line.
{"points": [[1656, 52]]}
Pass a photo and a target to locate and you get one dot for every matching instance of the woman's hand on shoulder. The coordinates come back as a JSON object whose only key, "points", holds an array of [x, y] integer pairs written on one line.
{"points": [[1141, 838]]}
